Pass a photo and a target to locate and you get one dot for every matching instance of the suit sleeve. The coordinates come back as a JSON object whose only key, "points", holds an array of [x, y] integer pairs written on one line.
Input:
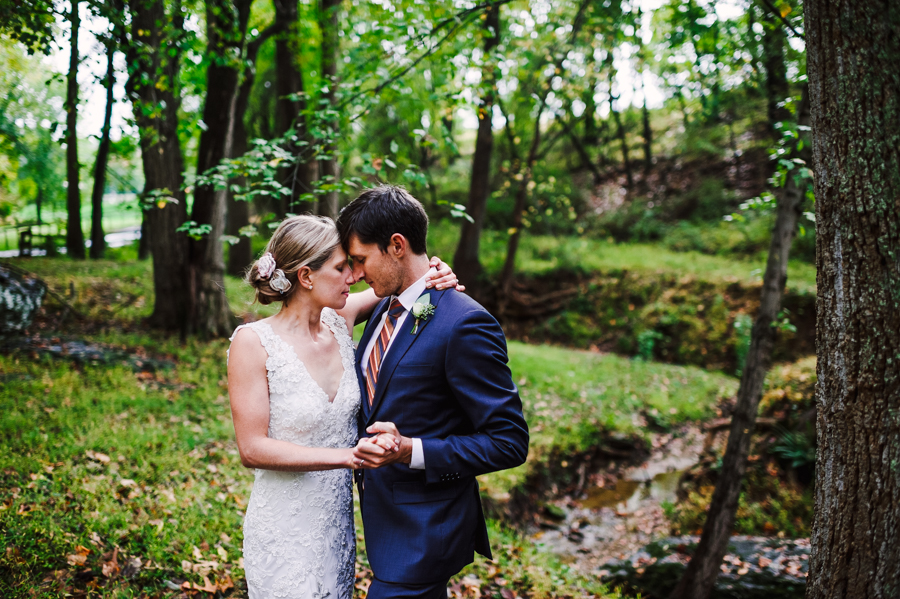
{"points": [[481, 382]]}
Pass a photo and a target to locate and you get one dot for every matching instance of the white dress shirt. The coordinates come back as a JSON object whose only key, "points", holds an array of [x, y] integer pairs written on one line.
{"points": [[407, 298]]}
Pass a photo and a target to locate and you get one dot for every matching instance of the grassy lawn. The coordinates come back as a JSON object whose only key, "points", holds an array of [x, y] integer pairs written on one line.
{"points": [[103, 466], [542, 254], [126, 483]]}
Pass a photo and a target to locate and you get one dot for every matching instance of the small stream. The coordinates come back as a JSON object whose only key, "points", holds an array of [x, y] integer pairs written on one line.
{"points": [[621, 511]]}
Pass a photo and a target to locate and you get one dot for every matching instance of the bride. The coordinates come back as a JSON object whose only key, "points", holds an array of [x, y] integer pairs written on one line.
{"points": [[294, 399]]}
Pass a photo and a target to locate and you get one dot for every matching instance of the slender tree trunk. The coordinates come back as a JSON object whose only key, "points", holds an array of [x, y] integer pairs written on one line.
{"points": [[466, 262], [700, 577], [144, 241], [226, 29], [620, 128], [74, 234], [38, 201], [591, 130], [648, 131], [521, 204], [777, 88], [240, 254], [98, 241], [854, 77], [289, 109], [329, 169], [154, 55]]}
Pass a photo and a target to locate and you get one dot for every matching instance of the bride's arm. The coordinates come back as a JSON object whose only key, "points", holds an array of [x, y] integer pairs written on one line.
{"points": [[360, 305], [249, 393]]}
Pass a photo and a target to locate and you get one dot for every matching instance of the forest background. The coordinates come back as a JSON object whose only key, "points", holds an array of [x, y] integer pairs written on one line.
{"points": [[625, 185]]}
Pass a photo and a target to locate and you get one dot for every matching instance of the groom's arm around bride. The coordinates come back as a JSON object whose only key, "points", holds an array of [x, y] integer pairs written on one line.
{"points": [[442, 378]]}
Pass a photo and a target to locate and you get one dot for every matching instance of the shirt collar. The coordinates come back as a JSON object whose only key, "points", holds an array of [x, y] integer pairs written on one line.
{"points": [[412, 293]]}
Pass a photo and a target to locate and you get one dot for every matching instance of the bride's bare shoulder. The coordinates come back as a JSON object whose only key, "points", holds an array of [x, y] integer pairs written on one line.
{"points": [[246, 347]]}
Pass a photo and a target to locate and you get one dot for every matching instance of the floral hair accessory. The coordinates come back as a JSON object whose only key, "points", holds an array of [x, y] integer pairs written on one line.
{"points": [[279, 282], [266, 266]]}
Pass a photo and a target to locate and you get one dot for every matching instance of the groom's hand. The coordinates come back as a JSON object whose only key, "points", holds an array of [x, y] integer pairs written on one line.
{"points": [[387, 446]]}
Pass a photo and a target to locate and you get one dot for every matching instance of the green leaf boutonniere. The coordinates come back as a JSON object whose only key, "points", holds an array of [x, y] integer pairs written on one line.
{"points": [[422, 310]]}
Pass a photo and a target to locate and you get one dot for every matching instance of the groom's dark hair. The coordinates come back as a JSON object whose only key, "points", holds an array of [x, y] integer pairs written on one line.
{"points": [[378, 213]]}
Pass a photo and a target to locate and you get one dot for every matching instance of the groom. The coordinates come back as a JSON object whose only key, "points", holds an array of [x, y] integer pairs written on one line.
{"points": [[438, 375]]}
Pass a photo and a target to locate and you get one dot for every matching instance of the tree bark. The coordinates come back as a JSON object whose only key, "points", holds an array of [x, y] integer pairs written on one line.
{"points": [[240, 254], [648, 131], [512, 248], [329, 169], [854, 77], [226, 27], [98, 241], [620, 128], [144, 241], [777, 88], [466, 261], [289, 108], [700, 577], [155, 55], [74, 234]]}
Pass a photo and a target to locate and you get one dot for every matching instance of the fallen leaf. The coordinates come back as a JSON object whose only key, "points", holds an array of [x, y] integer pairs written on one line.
{"points": [[76, 560], [111, 568]]}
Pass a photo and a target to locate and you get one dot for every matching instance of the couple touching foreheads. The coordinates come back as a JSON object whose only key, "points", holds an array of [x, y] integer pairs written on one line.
{"points": [[423, 405]]}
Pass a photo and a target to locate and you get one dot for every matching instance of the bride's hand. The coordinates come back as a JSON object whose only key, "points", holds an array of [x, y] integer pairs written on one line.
{"points": [[370, 451], [444, 277]]}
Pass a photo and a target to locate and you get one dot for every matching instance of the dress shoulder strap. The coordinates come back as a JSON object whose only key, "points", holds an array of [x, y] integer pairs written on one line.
{"points": [[338, 326], [267, 337]]}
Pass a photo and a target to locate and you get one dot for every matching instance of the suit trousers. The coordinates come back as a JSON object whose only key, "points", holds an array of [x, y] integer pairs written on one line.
{"points": [[398, 590]]}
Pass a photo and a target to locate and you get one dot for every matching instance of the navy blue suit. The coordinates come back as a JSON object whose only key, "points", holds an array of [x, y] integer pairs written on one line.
{"points": [[449, 385]]}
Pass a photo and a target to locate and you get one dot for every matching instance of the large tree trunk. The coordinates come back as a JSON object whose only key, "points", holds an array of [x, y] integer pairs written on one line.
{"points": [[154, 56], [466, 263], [854, 77], [98, 241], [74, 234], [289, 109], [700, 577], [226, 30], [777, 89], [329, 169]]}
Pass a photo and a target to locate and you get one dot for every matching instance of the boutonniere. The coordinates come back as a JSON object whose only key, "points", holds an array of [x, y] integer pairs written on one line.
{"points": [[422, 310]]}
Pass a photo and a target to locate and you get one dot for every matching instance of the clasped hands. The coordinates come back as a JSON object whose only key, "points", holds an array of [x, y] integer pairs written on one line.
{"points": [[385, 446]]}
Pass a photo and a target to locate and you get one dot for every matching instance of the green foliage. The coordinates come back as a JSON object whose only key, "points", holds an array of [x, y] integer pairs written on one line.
{"points": [[767, 506]]}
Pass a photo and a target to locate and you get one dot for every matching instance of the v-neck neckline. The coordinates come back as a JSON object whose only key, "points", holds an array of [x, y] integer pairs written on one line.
{"points": [[318, 386]]}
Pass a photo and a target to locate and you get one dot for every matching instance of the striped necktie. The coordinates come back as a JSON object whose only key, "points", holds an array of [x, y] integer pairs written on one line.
{"points": [[377, 354]]}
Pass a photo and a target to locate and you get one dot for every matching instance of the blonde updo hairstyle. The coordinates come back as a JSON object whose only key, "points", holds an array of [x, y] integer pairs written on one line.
{"points": [[297, 242]]}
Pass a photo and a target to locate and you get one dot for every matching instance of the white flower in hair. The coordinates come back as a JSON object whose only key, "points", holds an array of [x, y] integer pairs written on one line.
{"points": [[279, 282], [266, 265]]}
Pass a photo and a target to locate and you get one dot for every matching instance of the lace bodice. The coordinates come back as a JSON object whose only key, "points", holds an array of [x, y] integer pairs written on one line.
{"points": [[299, 537]]}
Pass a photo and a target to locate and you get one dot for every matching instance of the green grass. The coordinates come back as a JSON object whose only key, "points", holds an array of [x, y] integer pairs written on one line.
{"points": [[574, 400], [117, 214], [96, 458], [543, 254]]}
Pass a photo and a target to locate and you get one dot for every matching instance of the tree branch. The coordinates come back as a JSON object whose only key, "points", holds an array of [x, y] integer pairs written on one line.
{"points": [[768, 4]]}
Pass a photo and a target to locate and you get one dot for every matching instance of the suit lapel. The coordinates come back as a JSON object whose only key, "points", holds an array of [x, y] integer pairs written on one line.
{"points": [[380, 309], [397, 350]]}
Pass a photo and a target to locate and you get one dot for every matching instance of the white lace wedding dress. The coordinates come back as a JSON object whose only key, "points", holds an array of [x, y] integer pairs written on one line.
{"points": [[299, 534]]}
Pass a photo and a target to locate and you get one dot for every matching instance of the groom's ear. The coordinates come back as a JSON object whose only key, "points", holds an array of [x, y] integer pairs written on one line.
{"points": [[398, 246]]}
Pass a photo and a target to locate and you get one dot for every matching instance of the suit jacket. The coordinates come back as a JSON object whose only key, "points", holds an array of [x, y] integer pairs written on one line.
{"points": [[449, 385]]}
